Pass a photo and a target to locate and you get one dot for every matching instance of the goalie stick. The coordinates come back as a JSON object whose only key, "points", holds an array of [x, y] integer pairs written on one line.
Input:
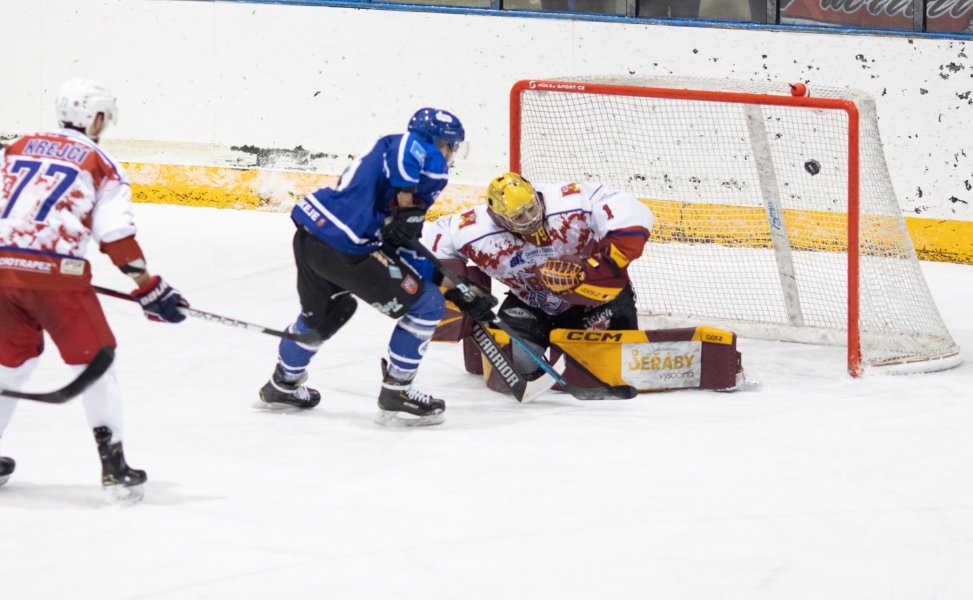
{"points": [[95, 369], [523, 390], [309, 337], [491, 350]]}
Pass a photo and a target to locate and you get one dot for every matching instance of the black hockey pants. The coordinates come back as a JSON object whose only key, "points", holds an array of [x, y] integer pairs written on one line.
{"points": [[326, 277]]}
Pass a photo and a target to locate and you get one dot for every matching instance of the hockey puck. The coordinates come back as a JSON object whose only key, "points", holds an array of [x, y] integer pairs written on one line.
{"points": [[812, 166]]}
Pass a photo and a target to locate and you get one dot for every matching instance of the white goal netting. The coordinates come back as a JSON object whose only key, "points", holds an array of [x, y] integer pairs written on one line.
{"points": [[751, 199]]}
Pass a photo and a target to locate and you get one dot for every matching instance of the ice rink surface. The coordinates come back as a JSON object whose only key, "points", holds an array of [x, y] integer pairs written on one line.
{"points": [[811, 486]]}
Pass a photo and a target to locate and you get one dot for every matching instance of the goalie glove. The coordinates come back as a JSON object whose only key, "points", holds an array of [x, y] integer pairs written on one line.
{"points": [[472, 300], [588, 282], [561, 275]]}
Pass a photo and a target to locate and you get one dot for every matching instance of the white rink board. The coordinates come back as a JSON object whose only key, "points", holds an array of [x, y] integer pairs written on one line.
{"points": [[206, 77]]}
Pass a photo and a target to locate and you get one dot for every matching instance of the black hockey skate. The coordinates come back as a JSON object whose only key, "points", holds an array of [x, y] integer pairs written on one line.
{"points": [[278, 393], [121, 482], [400, 404], [7, 466]]}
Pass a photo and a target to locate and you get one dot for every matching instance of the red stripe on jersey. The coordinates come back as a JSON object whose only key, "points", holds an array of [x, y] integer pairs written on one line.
{"points": [[123, 251]]}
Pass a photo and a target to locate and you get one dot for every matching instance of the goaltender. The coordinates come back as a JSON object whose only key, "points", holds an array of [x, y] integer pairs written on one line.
{"points": [[562, 250]]}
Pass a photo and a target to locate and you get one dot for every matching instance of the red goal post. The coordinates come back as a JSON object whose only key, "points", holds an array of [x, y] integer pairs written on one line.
{"points": [[757, 188]]}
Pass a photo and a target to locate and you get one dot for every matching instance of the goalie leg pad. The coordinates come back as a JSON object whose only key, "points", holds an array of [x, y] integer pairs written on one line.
{"points": [[655, 360]]}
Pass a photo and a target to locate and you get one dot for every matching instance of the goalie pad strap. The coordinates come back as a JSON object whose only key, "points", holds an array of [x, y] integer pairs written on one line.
{"points": [[597, 292]]}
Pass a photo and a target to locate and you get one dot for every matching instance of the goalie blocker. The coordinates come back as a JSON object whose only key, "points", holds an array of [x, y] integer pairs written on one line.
{"points": [[654, 360]]}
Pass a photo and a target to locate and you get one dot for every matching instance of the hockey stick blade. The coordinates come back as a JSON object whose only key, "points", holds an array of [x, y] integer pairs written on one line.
{"points": [[95, 369], [523, 390], [309, 337], [604, 392]]}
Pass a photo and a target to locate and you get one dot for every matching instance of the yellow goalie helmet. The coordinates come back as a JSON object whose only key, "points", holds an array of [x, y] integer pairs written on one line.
{"points": [[514, 205]]}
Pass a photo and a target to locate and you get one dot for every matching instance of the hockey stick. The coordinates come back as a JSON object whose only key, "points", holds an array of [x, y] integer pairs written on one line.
{"points": [[95, 369], [605, 392], [309, 337], [523, 390]]}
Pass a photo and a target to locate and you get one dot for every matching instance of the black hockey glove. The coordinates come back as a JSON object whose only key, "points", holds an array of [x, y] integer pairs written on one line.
{"points": [[473, 300], [403, 224], [160, 301]]}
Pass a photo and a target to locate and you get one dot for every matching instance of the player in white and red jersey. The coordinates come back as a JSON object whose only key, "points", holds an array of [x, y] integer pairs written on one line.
{"points": [[562, 250], [60, 190]]}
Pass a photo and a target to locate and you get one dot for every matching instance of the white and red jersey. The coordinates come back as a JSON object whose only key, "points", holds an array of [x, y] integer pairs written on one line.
{"points": [[59, 191], [580, 220]]}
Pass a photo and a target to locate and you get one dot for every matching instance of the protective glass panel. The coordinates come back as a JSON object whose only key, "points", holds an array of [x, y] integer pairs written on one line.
{"points": [[714, 10], [612, 7], [470, 3]]}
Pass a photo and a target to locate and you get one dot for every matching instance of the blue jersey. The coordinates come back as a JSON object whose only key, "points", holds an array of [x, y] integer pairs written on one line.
{"points": [[350, 216]]}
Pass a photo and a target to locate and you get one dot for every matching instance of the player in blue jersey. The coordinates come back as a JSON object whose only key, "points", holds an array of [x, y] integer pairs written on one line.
{"points": [[353, 241]]}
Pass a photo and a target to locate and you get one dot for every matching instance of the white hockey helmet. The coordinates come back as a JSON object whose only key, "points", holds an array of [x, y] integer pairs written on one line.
{"points": [[80, 101]]}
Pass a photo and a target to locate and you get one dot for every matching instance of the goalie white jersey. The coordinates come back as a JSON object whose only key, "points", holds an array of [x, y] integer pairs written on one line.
{"points": [[580, 219]]}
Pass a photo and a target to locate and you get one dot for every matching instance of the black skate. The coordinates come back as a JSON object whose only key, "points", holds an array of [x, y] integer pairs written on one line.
{"points": [[7, 466], [402, 405], [278, 393], [120, 482]]}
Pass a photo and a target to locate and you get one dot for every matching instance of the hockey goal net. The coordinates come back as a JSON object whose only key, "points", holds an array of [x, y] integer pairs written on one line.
{"points": [[774, 211]]}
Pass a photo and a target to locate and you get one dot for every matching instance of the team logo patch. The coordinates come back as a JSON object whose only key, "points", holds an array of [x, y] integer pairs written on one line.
{"points": [[418, 151], [517, 259], [391, 307], [600, 319], [72, 266], [571, 188], [410, 285], [466, 219]]}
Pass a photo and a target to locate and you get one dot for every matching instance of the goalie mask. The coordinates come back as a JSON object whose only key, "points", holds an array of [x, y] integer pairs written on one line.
{"points": [[514, 205]]}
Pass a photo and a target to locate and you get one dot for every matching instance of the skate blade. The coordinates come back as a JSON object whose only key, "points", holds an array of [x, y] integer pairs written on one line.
{"points": [[4, 479], [277, 407], [120, 494], [391, 418]]}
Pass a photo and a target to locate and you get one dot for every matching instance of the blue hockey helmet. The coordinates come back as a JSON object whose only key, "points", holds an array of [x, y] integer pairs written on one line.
{"points": [[433, 125]]}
